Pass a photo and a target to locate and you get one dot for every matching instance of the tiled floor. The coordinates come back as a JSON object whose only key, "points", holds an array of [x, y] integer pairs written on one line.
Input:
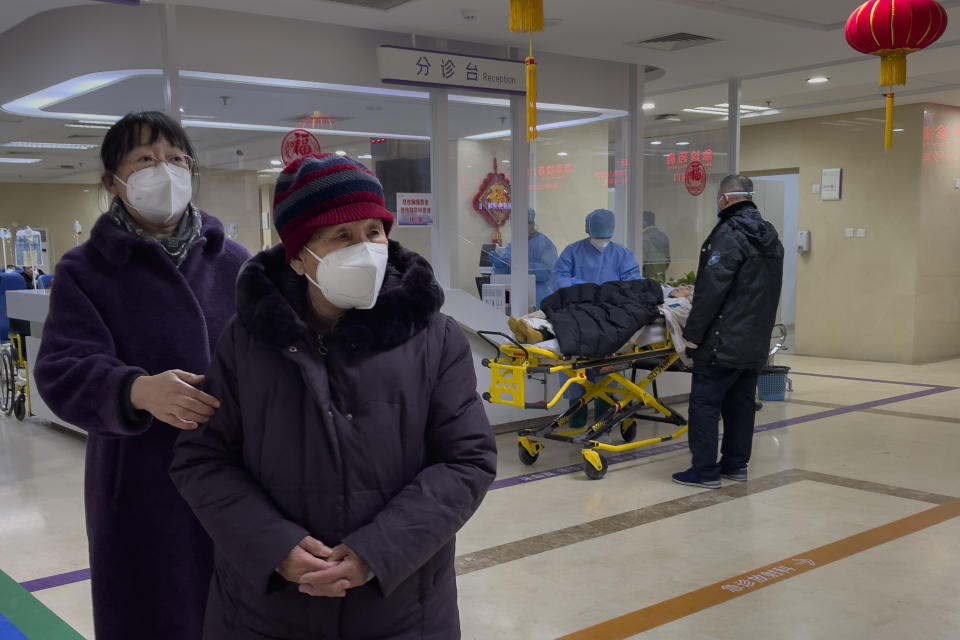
{"points": [[555, 553]]}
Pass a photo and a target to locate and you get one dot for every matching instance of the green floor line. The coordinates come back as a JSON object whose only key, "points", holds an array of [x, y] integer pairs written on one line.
{"points": [[29, 615]]}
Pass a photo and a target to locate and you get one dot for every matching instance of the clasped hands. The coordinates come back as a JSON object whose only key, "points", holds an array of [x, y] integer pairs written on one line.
{"points": [[324, 572]]}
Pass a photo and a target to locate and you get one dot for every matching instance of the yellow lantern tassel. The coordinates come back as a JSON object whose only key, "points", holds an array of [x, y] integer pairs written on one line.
{"points": [[531, 95], [526, 16], [889, 136], [893, 70]]}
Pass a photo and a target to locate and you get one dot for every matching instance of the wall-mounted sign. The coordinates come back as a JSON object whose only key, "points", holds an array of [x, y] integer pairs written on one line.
{"points": [[941, 144], [679, 162], [493, 201], [695, 178], [425, 68], [297, 144], [414, 209], [831, 184]]}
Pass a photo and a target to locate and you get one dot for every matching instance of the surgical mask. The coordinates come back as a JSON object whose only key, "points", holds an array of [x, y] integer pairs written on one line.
{"points": [[159, 193], [351, 278], [600, 243]]}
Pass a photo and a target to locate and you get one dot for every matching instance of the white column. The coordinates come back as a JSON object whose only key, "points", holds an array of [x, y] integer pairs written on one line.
{"points": [[733, 105], [171, 73], [443, 234], [635, 147], [520, 192]]}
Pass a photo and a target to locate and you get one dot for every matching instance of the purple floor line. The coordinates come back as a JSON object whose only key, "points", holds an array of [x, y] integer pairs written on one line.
{"points": [[656, 451], [63, 579], [896, 382], [56, 581]]}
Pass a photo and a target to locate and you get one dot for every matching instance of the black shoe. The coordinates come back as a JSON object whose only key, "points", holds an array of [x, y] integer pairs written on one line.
{"points": [[691, 478]]}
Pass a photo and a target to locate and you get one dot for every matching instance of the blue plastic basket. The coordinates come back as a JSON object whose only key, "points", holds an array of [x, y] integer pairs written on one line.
{"points": [[772, 384]]}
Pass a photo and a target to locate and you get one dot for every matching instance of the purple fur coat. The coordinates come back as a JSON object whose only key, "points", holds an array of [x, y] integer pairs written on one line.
{"points": [[120, 309]]}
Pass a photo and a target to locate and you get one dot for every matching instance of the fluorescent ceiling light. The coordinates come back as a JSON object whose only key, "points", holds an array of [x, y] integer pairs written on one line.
{"points": [[34, 105], [365, 156], [713, 111], [276, 163], [682, 144], [87, 126], [897, 130], [818, 80], [50, 145], [562, 154], [656, 142], [743, 107], [504, 162], [648, 106], [340, 152], [20, 160], [757, 114]]}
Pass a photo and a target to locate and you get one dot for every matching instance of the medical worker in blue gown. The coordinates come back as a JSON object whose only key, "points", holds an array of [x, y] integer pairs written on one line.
{"points": [[595, 259], [542, 256]]}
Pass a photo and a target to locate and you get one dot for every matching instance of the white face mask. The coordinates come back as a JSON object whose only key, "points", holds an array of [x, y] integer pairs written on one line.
{"points": [[350, 278], [600, 243], [159, 193]]}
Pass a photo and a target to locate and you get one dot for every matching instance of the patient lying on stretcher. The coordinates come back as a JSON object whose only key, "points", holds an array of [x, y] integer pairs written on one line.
{"points": [[600, 320]]}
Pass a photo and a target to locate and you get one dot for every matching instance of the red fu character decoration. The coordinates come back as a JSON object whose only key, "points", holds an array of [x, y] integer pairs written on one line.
{"points": [[892, 29]]}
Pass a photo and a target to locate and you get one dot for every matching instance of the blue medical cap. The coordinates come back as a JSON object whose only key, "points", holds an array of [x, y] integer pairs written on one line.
{"points": [[600, 224], [531, 215]]}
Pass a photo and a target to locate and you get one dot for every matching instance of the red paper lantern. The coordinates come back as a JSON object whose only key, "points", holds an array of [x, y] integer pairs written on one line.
{"points": [[892, 29]]}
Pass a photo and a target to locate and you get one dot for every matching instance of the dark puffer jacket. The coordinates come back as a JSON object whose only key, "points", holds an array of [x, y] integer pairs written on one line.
{"points": [[373, 437], [598, 319], [738, 291]]}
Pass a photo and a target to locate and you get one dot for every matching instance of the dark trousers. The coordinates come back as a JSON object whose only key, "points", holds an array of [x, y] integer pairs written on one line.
{"points": [[726, 393]]}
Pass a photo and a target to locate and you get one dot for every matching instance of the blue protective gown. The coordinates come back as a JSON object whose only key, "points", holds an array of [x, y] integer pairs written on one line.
{"points": [[581, 262], [542, 257]]}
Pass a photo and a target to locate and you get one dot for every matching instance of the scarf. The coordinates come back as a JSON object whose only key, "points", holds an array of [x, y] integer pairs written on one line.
{"points": [[177, 247]]}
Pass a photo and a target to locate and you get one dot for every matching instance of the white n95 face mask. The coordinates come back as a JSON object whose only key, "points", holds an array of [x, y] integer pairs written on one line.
{"points": [[159, 193], [350, 278], [600, 243]]}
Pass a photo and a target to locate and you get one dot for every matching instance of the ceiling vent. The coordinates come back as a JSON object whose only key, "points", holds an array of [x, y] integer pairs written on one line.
{"points": [[373, 4], [673, 42]]}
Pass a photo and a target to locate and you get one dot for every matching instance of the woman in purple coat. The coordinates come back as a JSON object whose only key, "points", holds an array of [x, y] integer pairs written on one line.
{"points": [[133, 321], [351, 444]]}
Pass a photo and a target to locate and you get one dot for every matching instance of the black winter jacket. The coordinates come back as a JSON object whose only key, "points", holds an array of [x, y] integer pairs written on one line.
{"points": [[598, 319], [374, 437], [738, 291]]}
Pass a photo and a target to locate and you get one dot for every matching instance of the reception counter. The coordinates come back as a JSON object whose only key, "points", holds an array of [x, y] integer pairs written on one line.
{"points": [[32, 306]]}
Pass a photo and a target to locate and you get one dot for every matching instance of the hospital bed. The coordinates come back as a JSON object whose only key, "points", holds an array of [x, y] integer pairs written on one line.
{"points": [[612, 379]]}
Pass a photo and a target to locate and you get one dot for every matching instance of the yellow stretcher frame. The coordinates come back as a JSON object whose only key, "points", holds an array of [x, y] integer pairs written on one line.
{"points": [[516, 363]]}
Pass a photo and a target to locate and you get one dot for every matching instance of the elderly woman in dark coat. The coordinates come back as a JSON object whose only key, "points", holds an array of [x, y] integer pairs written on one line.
{"points": [[133, 320], [351, 444]]}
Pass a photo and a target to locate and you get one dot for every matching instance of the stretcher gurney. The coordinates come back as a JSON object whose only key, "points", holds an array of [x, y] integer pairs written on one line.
{"points": [[515, 363]]}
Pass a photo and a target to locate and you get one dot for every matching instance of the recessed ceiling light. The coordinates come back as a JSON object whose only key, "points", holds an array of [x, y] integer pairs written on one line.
{"points": [[656, 142], [19, 160], [504, 162], [181, 109], [340, 152], [818, 80], [365, 156], [682, 144], [50, 145], [276, 163], [647, 106], [562, 154]]}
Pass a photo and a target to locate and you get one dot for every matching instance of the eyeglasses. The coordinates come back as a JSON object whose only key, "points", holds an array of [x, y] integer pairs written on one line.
{"points": [[147, 161]]}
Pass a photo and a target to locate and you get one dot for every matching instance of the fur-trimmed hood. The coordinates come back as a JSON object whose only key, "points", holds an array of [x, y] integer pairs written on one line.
{"points": [[272, 302]]}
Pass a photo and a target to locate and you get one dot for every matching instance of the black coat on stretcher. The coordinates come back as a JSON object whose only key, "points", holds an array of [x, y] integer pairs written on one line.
{"points": [[738, 291], [594, 320]]}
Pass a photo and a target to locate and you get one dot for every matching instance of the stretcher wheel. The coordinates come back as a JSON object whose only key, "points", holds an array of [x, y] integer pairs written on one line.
{"points": [[20, 407], [526, 457], [592, 472], [628, 433]]}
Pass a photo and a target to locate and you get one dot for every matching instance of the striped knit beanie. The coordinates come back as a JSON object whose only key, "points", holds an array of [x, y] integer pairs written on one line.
{"points": [[322, 191]]}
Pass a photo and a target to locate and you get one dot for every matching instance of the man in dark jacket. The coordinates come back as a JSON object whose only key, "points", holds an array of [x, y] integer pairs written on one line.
{"points": [[728, 333], [351, 444]]}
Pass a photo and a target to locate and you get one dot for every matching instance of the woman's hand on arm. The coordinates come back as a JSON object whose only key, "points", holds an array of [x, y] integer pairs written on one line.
{"points": [[172, 397]]}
